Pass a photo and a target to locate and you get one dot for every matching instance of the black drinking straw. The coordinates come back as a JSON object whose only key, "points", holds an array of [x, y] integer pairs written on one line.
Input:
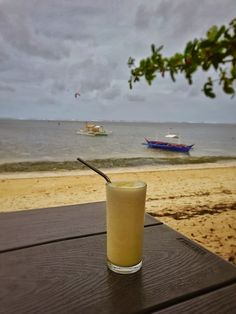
{"points": [[95, 169]]}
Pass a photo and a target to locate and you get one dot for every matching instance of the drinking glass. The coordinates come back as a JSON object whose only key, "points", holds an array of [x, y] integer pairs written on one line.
{"points": [[125, 225]]}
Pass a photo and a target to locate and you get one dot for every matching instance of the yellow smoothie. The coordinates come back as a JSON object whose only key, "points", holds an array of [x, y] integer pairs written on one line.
{"points": [[125, 222]]}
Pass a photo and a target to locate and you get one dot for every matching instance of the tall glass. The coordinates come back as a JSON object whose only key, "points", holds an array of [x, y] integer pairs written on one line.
{"points": [[125, 225]]}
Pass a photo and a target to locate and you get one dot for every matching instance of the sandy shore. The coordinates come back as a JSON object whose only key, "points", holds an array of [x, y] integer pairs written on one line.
{"points": [[199, 201]]}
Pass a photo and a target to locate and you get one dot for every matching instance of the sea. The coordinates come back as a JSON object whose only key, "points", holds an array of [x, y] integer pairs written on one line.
{"points": [[35, 140]]}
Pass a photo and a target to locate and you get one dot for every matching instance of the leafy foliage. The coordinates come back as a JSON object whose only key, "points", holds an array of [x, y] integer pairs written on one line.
{"points": [[217, 51]]}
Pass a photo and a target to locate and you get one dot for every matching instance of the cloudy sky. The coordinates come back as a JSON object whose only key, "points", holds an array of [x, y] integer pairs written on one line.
{"points": [[49, 49]]}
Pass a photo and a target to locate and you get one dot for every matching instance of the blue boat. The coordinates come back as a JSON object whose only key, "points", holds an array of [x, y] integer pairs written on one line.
{"points": [[182, 148]]}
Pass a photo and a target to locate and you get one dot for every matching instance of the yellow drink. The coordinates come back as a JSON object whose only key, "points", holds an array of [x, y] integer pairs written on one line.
{"points": [[125, 225]]}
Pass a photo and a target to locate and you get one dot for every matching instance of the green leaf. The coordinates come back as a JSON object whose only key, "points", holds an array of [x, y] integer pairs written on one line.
{"points": [[149, 78], [159, 48], [209, 93], [233, 71], [228, 89], [142, 64], [188, 47], [206, 66], [205, 43], [131, 62], [172, 76], [215, 63], [189, 78], [207, 88], [153, 48], [130, 83], [227, 35], [220, 32], [212, 32]]}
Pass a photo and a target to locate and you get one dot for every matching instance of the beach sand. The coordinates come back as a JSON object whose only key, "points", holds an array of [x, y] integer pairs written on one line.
{"points": [[199, 201]]}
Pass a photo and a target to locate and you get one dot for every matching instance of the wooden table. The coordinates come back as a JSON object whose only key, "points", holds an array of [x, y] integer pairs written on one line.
{"points": [[53, 261]]}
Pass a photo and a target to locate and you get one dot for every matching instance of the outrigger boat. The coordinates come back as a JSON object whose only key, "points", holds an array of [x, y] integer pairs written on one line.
{"points": [[92, 129], [168, 146]]}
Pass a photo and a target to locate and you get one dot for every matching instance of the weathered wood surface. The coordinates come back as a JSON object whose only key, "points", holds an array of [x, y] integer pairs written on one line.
{"points": [[221, 301], [71, 276], [32, 227]]}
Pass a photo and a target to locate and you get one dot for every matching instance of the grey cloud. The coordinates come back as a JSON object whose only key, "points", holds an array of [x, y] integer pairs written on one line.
{"points": [[135, 98], [142, 17], [3, 56], [7, 88], [59, 20], [58, 87], [191, 16], [23, 72], [92, 75], [93, 83], [112, 92], [17, 30], [48, 101]]}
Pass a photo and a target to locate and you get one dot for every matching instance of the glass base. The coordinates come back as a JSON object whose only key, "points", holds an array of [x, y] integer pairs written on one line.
{"points": [[124, 269]]}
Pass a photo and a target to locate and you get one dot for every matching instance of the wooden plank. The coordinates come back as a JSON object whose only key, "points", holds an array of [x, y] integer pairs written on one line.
{"points": [[30, 227], [71, 276], [217, 302]]}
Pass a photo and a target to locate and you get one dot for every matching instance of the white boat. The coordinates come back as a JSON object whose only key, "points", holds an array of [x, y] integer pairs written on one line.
{"points": [[172, 136], [91, 129]]}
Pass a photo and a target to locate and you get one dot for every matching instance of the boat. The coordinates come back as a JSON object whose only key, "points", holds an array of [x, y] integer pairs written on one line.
{"points": [[92, 129], [168, 146], [172, 136]]}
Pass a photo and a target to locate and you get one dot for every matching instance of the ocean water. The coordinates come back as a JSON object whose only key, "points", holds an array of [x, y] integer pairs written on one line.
{"points": [[57, 140]]}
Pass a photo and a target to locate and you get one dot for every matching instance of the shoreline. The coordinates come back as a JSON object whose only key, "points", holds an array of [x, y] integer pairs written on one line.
{"points": [[86, 172], [111, 163], [29, 172]]}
